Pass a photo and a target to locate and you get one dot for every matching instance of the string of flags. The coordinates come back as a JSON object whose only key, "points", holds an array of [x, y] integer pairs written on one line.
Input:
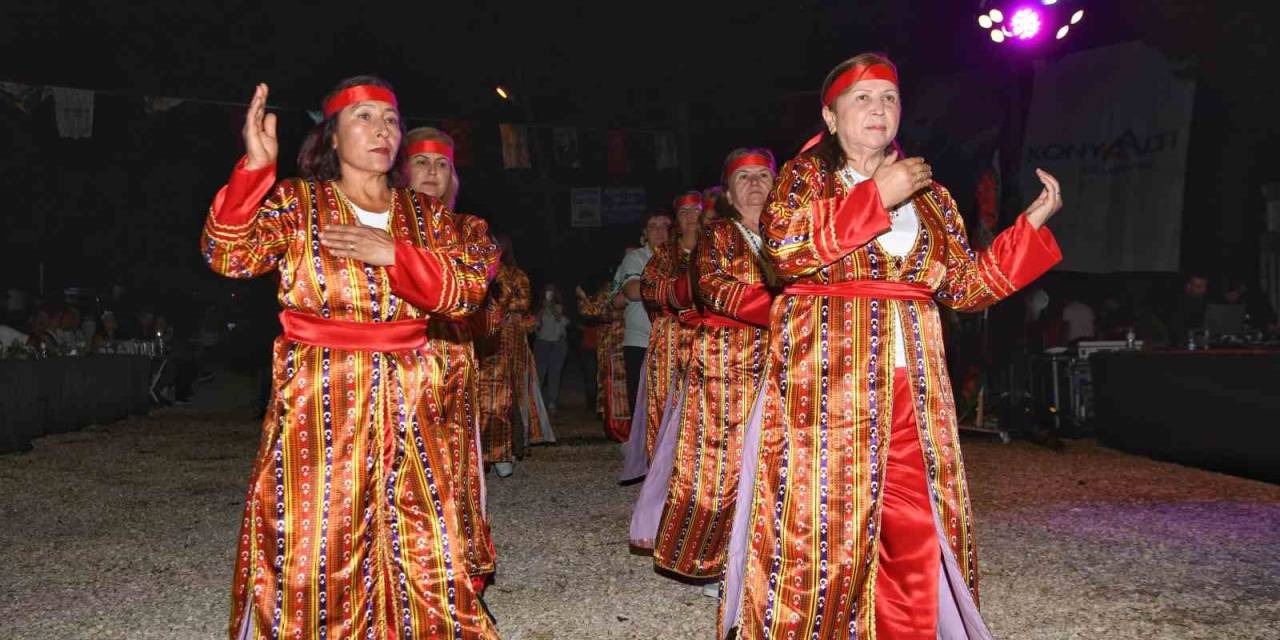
{"points": [[621, 150]]}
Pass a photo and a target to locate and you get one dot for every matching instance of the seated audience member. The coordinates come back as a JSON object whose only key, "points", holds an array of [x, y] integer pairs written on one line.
{"points": [[1259, 314], [1078, 319], [1188, 309]]}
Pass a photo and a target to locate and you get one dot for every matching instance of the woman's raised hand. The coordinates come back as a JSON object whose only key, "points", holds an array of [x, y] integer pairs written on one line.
{"points": [[898, 179], [261, 146], [1048, 202]]}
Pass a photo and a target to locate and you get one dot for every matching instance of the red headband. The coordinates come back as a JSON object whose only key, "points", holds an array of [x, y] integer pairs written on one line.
{"points": [[852, 75], [430, 146], [749, 160], [688, 199], [358, 93]]}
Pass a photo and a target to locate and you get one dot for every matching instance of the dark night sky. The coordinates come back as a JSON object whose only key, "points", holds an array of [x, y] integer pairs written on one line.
{"points": [[731, 66]]}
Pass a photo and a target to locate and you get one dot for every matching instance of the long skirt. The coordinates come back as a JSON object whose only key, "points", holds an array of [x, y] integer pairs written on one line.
{"points": [[453, 401], [724, 377], [350, 525], [918, 595]]}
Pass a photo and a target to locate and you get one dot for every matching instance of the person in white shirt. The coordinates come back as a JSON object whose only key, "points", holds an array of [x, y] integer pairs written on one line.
{"points": [[657, 227], [1079, 320], [550, 345]]}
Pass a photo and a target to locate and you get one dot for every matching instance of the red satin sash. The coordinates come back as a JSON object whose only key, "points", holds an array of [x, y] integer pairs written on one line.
{"points": [[713, 320], [880, 289], [401, 335]]}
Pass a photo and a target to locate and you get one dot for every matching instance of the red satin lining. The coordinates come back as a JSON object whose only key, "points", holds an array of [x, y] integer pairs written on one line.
{"points": [[879, 289], [719, 321], [910, 558], [852, 75], [358, 93], [430, 146], [401, 335]]}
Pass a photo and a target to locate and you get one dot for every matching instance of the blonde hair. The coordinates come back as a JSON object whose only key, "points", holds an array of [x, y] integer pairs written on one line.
{"points": [[427, 133], [450, 196]]}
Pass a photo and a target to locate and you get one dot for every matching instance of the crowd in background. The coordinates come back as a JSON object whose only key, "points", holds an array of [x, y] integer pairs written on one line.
{"points": [[172, 328]]}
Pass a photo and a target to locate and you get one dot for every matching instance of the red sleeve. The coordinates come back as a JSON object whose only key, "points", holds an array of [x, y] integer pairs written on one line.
{"points": [[754, 308], [841, 228], [238, 201], [682, 291], [417, 276]]}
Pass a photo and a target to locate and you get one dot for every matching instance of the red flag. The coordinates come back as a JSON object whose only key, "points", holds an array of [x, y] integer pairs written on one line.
{"points": [[460, 131], [617, 152]]}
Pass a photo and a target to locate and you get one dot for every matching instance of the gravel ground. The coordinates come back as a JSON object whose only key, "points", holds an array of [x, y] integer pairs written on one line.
{"points": [[128, 531]]}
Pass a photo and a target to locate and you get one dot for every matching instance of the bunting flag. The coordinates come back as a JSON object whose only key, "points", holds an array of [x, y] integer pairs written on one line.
{"points": [[460, 131], [988, 202], [515, 146], [24, 97], [617, 155], [73, 109], [565, 142], [667, 154], [159, 104], [989, 193]]}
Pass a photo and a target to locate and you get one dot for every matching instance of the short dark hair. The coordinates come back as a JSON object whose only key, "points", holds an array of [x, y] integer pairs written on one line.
{"points": [[318, 160]]}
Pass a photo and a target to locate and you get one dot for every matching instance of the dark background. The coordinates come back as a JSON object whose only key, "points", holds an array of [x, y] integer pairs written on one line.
{"points": [[126, 206]]}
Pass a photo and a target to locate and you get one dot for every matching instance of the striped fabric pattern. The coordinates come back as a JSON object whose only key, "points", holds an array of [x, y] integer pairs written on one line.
{"points": [[351, 527], [725, 370], [816, 503]]}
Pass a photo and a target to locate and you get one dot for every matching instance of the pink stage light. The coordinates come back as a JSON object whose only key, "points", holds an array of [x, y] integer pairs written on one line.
{"points": [[1025, 23]]}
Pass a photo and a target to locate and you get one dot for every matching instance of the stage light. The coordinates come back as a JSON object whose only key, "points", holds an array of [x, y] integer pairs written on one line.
{"points": [[1025, 23], [502, 93]]}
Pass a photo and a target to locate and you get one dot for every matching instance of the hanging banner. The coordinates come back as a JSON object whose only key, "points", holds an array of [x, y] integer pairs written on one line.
{"points": [[617, 155], [159, 104], [565, 143], [460, 131], [515, 146], [1112, 124], [73, 110], [665, 151], [22, 96], [584, 207], [623, 205]]}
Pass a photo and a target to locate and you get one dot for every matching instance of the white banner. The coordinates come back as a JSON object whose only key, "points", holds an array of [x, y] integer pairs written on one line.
{"points": [[1113, 125], [584, 207]]}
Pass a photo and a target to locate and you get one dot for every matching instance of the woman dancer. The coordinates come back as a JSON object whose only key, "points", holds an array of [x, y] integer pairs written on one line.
{"points": [[860, 522], [429, 169], [665, 290], [725, 371], [350, 524]]}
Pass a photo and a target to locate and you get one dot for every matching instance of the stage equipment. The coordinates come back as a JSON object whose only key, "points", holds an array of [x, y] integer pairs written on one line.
{"points": [[1025, 21]]}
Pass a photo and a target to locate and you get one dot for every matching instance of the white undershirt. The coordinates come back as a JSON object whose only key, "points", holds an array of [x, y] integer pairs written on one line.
{"points": [[897, 242], [369, 218]]}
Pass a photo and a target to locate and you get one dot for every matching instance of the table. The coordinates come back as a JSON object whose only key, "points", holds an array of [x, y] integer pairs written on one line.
{"points": [[54, 395], [1217, 409]]}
